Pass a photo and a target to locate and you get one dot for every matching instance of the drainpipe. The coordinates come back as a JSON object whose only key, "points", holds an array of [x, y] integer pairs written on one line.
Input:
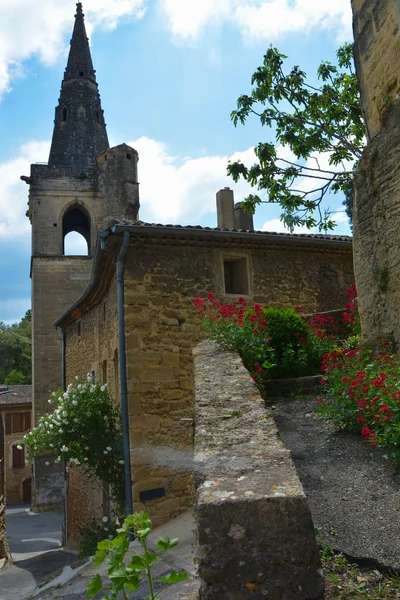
{"points": [[122, 363], [64, 387], [122, 373]]}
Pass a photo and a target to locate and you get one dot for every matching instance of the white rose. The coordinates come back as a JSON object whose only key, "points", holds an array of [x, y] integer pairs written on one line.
{"points": [[47, 463], [105, 519], [19, 447], [49, 400], [121, 462], [108, 448], [61, 430]]}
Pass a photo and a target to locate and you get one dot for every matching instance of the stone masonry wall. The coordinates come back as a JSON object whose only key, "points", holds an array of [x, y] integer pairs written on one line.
{"points": [[162, 278], [14, 475], [162, 327], [93, 351], [376, 225], [255, 533], [377, 55]]}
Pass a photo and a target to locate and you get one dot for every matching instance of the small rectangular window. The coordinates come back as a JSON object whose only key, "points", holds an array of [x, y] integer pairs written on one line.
{"points": [[17, 422], [18, 457], [236, 279]]}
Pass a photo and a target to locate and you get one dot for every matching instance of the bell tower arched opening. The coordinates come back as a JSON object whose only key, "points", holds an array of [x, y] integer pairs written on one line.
{"points": [[76, 221]]}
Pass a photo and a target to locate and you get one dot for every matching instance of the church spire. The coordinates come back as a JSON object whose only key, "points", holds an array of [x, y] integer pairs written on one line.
{"points": [[79, 129]]}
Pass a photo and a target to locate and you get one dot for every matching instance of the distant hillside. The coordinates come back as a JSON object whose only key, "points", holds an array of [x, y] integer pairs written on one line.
{"points": [[16, 352]]}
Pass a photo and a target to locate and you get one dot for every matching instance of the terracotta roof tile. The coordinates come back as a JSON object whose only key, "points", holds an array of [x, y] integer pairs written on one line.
{"points": [[318, 236], [15, 395]]}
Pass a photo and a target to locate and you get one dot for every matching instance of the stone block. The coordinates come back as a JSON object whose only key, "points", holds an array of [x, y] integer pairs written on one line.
{"points": [[255, 532]]}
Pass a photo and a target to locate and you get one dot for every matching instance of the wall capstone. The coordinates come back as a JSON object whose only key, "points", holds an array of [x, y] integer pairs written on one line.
{"points": [[255, 532]]}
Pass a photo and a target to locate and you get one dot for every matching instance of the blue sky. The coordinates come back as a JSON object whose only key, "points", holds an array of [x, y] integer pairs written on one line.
{"points": [[169, 73]]}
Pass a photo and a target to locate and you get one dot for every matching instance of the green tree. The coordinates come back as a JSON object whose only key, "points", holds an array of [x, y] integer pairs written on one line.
{"points": [[310, 122], [16, 351]]}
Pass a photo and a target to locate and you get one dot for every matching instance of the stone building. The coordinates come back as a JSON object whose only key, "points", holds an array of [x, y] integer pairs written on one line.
{"points": [[127, 307], [376, 26], [15, 413], [166, 267], [84, 185]]}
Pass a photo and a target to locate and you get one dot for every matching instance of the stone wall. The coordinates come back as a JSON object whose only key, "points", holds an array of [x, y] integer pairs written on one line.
{"points": [[376, 224], [377, 55], [92, 347], [377, 184], [15, 476], [162, 278], [255, 532]]}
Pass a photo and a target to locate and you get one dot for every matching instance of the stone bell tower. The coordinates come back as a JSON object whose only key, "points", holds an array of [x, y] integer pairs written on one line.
{"points": [[84, 185]]}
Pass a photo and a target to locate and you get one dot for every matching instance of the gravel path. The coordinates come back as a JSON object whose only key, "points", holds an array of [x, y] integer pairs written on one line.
{"points": [[353, 493]]}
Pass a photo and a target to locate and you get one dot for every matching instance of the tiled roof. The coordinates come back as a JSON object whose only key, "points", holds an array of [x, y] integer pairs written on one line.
{"points": [[15, 395], [317, 236]]}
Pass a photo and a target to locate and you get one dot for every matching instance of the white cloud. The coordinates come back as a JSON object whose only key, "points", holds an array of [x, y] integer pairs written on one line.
{"points": [[14, 192], [172, 189], [28, 28], [182, 191], [258, 19]]}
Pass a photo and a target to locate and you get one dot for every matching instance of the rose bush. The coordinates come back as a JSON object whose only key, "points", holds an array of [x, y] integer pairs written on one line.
{"points": [[83, 429]]}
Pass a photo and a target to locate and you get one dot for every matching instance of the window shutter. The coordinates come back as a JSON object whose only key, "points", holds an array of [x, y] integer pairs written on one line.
{"points": [[8, 423], [15, 457], [27, 420], [18, 457]]}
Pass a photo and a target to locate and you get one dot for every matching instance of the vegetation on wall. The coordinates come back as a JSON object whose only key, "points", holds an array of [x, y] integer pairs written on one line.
{"points": [[321, 127], [16, 352]]}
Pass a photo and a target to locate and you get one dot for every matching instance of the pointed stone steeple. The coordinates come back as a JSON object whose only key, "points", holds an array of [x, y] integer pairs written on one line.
{"points": [[79, 129]]}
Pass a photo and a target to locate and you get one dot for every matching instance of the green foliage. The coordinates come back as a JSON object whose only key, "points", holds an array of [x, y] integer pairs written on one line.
{"points": [[126, 576], [96, 531], [309, 121], [16, 352], [272, 342], [84, 429], [363, 395]]}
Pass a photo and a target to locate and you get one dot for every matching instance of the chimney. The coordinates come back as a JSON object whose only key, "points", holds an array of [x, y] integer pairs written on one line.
{"points": [[225, 209], [243, 219]]}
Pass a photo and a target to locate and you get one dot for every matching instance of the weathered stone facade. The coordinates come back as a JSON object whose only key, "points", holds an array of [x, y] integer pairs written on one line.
{"points": [[377, 185], [377, 55], [78, 192], [165, 269], [254, 527], [16, 411]]}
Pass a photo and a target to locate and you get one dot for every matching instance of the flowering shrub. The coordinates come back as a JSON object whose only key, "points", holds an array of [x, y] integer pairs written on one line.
{"points": [[273, 342], [363, 394], [84, 429]]}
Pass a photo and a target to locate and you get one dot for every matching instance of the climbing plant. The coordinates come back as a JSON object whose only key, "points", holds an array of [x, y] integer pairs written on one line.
{"points": [[83, 429]]}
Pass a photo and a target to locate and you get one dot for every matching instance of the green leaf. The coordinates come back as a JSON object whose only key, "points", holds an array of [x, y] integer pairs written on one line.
{"points": [[174, 577], [137, 562], [165, 543], [151, 558], [94, 586], [141, 534], [99, 557]]}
